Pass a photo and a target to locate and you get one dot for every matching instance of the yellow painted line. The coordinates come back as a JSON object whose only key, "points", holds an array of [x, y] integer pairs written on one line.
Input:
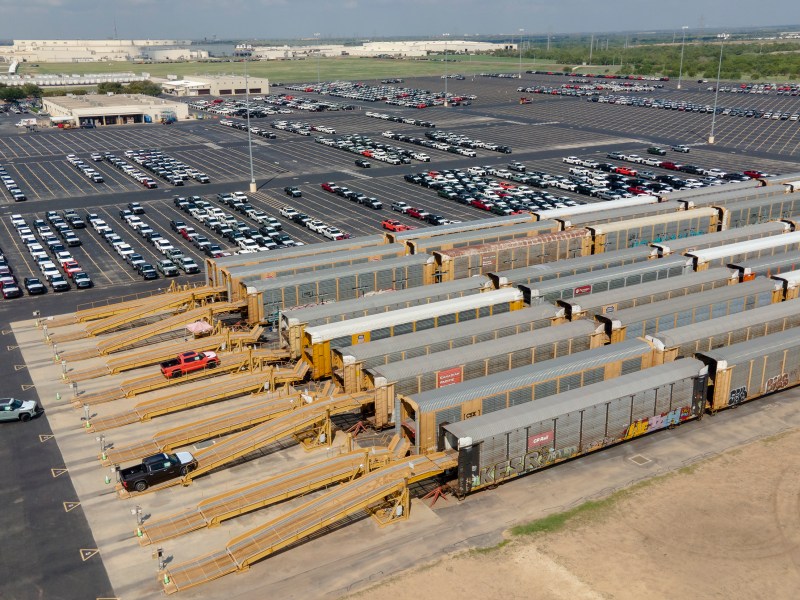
{"points": [[46, 436], [26, 386], [57, 472], [68, 506]]}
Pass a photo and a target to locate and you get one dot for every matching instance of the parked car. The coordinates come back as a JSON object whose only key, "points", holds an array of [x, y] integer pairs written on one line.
{"points": [[34, 286], [292, 191], [14, 409], [156, 469]]}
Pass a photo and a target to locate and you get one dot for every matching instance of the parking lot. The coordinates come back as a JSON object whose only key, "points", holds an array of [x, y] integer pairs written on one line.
{"points": [[541, 134]]}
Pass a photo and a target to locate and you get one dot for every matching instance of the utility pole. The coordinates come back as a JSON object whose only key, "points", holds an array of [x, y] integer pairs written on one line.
{"points": [[591, 49], [253, 186]]}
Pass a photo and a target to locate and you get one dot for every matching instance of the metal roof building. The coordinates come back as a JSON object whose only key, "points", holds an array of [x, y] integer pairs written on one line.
{"points": [[480, 235], [421, 415], [649, 319], [573, 266], [721, 255], [603, 280], [521, 416], [720, 238], [725, 331], [767, 265], [635, 295]]}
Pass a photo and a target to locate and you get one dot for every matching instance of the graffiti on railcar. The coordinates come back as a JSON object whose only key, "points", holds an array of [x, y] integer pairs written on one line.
{"points": [[656, 422], [738, 395], [776, 383]]}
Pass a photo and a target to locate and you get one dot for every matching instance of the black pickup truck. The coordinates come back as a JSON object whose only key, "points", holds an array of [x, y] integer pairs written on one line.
{"points": [[157, 469]]}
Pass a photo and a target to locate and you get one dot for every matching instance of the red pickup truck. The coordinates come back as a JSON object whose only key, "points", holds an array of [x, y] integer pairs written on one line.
{"points": [[189, 362]]}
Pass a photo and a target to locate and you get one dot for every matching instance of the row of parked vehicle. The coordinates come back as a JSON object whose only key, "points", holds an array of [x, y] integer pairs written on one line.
{"points": [[242, 126], [301, 127], [358, 197], [50, 255], [713, 173], [167, 168], [365, 146], [399, 119], [732, 111], [11, 186], [90, 173], [131, 171], [267, 234], [477, 187], [315, 225], [464, 142], [131, 217]]}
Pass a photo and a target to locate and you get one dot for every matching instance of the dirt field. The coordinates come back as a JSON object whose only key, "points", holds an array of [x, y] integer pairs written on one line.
{"points": [[726, 528]]}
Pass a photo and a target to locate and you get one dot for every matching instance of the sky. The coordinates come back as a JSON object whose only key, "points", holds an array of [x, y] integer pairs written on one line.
{"points": [[366, 19]]}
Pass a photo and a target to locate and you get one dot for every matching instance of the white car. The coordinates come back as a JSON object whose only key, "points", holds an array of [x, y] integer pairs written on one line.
{"points": [[50, 270], [248, 244], [163, 246], [124, 249], [288, 212], [17, 221], [332, 233], [572, 160], [316, 226]]}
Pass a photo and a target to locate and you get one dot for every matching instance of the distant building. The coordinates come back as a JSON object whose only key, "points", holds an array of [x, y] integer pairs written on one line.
{"points": [[223, 85], [116, 109], [42, 51], [377, 49]]}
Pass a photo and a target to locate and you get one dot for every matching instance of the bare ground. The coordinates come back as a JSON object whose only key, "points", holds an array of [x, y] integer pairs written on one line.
{"points": [[726, 528]]}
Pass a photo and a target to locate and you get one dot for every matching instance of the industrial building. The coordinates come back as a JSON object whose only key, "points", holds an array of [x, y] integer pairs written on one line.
{"points": [[410, 48], [65, 51], [118, 109], [223, 85]]}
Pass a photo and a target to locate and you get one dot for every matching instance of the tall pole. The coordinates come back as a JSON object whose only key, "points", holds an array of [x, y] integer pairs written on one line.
{"points": [[591, 49], [716, 91], [683, 43], [316, 35], [521, 31], [445, 36], [253, 186]]}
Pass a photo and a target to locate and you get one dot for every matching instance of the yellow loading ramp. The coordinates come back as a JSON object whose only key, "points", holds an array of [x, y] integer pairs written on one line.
{"points": [[96, 312], [146, 357], [266, 407], [297, 482], [214, 392], [132, 336], [143, 308], [382, 493], [184, 301], [308, 423], [228, 363]]}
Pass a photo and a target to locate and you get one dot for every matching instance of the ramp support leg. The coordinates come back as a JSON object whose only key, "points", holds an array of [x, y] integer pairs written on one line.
{"points": [[393, 509]]}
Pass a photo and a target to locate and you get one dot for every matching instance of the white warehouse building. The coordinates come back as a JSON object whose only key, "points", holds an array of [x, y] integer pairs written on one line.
{"points": [[65, 51]]}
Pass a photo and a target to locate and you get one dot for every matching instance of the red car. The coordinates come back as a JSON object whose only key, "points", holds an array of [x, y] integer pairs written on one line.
{"points": [[482, 204], [394, 225], [417, 213], [71, 267], [638, 190], [625, 171], [754, 174], [665, 164], [189, 362], [329, 187]]}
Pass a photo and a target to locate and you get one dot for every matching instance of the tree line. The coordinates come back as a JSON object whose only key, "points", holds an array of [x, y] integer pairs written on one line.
{"points": [[15, 93], [748, 60]]}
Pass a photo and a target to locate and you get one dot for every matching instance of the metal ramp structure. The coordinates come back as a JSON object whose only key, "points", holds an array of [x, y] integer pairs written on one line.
{"points": [[117, 315], [151, 356], [125, 339], [268, 406], [383, 494], [228, 363], [297, 482], [309, 423], [184, 400]]}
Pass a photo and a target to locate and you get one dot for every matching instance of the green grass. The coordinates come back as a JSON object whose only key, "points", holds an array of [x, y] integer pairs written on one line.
{"points": [[345, 68], [592, 509]]}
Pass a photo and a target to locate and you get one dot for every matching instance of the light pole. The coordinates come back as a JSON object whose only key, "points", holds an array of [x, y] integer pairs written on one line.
{"points": [[316, 35], [445, 36], [521, 31], [683, 43], [724, 37], [253, 186]]}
